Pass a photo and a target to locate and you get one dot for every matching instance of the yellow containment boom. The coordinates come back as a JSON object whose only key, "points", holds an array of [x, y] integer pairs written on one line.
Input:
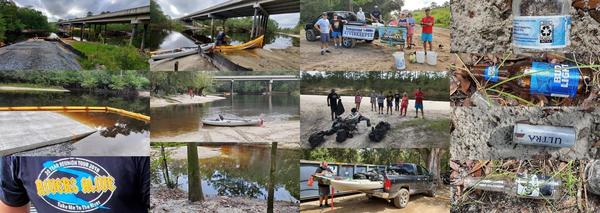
{"points": [[126, 113], [257, 42]]}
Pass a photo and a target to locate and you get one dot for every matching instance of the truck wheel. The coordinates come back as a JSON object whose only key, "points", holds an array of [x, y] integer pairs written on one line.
{"points": [[401, 200], [311, 35], [348, 42]]}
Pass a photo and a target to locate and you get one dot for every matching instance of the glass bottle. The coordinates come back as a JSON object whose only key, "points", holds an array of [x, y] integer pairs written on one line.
{"points": [[523, 185], [541, 25]]}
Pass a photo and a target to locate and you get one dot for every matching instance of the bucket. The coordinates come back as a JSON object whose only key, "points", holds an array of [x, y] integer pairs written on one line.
{"points": [[399, 59], [432, 58], [420, 57]]}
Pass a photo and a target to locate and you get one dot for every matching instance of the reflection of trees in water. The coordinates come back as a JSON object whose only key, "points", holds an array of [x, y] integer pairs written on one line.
{"points": [[235, 187], [133, 104]]}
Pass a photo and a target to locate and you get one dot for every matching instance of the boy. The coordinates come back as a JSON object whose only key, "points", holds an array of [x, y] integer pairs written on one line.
{"points": [[390, 102], [397, 98], [373, 101], [427, 33], [419, 102], [380, 100], [324, 27], [337, 27]]}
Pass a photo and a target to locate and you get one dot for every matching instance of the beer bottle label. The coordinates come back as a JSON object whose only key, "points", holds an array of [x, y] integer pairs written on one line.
{"points": [[491, 74], [555, 80], [541, 32], [554, 136], [528, 186]]}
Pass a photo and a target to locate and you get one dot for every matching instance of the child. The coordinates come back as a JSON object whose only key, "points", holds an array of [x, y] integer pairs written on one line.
{"points": [[397, 100], [390, 103], [404, 104], [373, 101], [411, 30], [403, 22], [380, 100], [419, 102], [337, 27], [357, 99]]}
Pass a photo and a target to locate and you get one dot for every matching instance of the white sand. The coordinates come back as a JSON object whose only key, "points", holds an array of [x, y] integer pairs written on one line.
{"points": [[182, 100]]}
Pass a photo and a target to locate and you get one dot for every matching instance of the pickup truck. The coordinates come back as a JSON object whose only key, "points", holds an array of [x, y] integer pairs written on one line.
{"points": [[402, 180], [312, 33]]}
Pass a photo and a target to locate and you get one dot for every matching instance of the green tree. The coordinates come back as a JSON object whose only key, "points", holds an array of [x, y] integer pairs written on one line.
{"points": [[2, 29]]}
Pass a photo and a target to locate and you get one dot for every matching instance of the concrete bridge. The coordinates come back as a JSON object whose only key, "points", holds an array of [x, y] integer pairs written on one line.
{"points": [[267, 78], [258, 9], [134, 16]]}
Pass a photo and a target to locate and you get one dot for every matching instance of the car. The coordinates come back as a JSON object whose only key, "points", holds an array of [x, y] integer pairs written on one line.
{"points": [[403, 180], [313, 34]]}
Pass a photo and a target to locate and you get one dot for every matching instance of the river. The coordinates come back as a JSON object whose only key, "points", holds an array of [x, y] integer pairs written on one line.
{"points": [[240, 171], [180, 119], [174, 39]]}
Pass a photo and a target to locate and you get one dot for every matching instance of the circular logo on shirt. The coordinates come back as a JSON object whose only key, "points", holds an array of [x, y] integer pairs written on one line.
{"points": [[75, 185]]}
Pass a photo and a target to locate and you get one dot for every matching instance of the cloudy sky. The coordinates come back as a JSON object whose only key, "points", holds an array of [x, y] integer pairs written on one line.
{"points": [[418, 4], [66, 9], [179, 8]]}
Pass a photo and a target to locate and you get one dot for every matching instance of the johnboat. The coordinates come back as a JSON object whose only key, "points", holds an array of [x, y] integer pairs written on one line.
{"points": [[174, 53], [257, 42], [345, 184], [232, 122]]}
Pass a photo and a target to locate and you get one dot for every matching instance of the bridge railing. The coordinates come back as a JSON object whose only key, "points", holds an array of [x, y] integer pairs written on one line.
{"points": [[127, 12]]}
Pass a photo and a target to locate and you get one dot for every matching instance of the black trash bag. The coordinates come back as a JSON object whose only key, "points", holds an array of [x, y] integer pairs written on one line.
{"points": [[341, 136], [316, 139], [339, 110], [379, 131]]}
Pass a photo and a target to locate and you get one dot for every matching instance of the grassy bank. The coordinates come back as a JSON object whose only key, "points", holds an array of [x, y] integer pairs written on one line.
{"points": [[110, 57], [89, 80], [441, 15]]}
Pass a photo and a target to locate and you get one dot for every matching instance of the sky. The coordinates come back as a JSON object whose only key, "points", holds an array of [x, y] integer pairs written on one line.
{"points": [[419, 4], [179, 8], [67, 9]]}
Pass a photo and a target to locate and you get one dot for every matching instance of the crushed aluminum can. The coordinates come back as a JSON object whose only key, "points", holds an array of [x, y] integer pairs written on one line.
{"points": [[553, 136]]}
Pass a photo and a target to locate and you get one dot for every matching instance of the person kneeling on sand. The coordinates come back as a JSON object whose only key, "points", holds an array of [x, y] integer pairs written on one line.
{"points": [[356, 117]]}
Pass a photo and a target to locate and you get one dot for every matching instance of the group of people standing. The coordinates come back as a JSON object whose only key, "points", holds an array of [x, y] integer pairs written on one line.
{"points": [[391, 101], [334, 28]]}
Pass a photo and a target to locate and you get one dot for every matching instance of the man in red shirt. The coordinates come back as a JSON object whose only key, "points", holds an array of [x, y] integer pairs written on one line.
{"points": [[419, 103], [427, 33]]}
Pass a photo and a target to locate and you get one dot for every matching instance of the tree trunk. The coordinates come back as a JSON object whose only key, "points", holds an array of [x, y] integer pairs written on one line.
{"points": [[434, 164], [271, 193], [194, 184], [165, 168]]}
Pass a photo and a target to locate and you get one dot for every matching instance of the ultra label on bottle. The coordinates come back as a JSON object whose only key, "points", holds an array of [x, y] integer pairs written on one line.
{"points": [[555, 80], [553, 136], [491, 74], [541, 32]]}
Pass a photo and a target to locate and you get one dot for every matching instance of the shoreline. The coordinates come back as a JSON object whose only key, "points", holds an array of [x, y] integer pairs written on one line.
{"points": [[16, 88], [183, 99]]}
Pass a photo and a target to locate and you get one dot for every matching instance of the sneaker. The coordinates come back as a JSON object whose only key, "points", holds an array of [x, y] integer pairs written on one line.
{"points": [[327, 51]]}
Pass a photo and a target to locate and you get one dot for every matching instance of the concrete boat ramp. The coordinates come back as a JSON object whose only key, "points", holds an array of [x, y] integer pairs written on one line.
{"points": [[27, 130], [37, 54]]}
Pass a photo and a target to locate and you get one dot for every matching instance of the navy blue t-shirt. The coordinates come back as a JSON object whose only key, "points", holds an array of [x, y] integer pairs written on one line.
{"points": [[76, 184]]}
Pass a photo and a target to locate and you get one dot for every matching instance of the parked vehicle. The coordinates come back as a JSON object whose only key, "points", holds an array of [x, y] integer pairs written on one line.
{"points": [[313, 34], [402, 180]]}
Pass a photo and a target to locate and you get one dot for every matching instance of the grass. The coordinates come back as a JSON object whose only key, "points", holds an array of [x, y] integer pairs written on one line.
{"points": [[437, 125], [111, 57], [441, 15]]}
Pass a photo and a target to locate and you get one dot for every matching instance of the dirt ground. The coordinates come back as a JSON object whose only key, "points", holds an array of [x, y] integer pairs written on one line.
{"points": [[360, 203], [276, 131], [182, 99], [163, 199], [267, 60], [187, 63], [373, 57], [316, 117], [486, 26], [487, 133]]}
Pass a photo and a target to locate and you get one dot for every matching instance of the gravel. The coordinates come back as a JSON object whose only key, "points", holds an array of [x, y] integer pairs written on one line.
{"points": [[37, 55]]}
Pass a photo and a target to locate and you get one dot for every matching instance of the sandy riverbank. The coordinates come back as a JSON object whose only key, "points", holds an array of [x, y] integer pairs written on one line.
{"points": [[285, 132], [187, 63], [163, 199], [180, 152], [407, 132], [12, 88], [182, 100], [375, 56], [259, 59]]}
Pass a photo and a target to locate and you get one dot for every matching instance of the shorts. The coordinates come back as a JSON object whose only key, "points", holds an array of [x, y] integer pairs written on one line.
{"points": [[427, 37], [336, 34], [323, 191], [324, 37], [419, 106], [380, 104]]}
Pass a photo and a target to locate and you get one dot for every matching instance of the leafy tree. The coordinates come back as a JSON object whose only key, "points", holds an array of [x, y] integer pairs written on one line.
{"points": [[89, 13], [2, 29]]}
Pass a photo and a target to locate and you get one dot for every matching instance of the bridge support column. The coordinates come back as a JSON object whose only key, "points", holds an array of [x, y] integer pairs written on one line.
{"points": [[144, 36], [133, 34], [253, 31], [232, 81], [270, 88], [212, 29], [72, 28], [81, 29]]}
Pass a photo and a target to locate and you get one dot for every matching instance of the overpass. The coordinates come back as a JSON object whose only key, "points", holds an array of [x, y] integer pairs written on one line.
{"points": [[134, 16], [258, 9], [268, 78]]}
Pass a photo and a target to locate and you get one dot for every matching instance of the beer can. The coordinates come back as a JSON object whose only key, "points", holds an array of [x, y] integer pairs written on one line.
{"points": [[553, 136]]}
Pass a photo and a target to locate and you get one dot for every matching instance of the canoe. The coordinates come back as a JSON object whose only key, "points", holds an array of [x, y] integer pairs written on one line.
{"points": [[257, 42], [174, 53], [355, 185], [232, 122]]}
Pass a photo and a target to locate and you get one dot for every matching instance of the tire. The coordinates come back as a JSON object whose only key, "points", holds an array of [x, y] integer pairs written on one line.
{"points": [[369, 41], [311, 35], [348, 42], [401, 200]]}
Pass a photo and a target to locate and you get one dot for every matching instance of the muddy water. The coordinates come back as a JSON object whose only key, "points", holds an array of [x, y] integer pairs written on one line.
{"points": [[181, 119], [130, 103], [115, 135], [242, 171], [174, 39]]}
